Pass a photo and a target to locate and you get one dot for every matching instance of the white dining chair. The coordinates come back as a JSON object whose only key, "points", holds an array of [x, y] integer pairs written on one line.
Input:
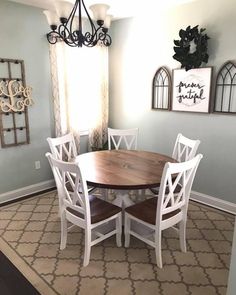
{"points": [[63, 147], [81, 209], [185, 149], [146, 220], [123, 139]]}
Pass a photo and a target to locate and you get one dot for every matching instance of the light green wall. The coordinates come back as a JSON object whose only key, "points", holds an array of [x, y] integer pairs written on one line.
{"points": [[22, 36], [140, 46]]}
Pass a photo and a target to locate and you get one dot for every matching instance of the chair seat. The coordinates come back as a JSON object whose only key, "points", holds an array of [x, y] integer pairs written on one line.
{"points": [[146, 211], [99, 209]]}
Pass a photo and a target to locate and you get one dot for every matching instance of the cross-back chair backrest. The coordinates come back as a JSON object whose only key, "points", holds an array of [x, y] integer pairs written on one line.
{"points": [[63, 147], [122, 138], [184, 149], [72, 189], [175, 188]]}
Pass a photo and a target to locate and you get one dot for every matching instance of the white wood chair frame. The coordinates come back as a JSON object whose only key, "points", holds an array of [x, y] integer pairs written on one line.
{"points": [[184, 174], [128, 137], [123, 139], [63, 147], [77, 201], [184, 149]]}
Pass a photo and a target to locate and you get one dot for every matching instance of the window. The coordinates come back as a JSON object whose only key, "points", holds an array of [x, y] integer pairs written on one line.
{"points": [[82, 75]]}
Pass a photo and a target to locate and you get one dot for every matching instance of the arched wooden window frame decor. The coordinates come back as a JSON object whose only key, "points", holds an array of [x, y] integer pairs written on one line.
{"points": [[225, 89], [161, 89]]}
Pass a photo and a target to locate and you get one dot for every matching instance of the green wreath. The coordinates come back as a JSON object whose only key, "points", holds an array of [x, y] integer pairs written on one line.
{"points": [[191, 38]]}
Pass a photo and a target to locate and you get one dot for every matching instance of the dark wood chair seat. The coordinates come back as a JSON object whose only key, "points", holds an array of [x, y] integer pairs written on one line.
{"points": [[99, 209], [146, 211]]}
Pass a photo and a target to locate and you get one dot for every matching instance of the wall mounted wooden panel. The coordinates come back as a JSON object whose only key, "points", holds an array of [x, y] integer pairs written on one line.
{"points": [[225, 89], [161, 89], [14, 126]]}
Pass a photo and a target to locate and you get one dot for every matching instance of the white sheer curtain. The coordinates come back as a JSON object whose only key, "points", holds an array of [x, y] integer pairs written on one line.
{"points": [[80, 91]]}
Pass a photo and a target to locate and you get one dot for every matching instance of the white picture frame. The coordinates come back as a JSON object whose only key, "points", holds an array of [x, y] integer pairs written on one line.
{"points": [[191, 90]]}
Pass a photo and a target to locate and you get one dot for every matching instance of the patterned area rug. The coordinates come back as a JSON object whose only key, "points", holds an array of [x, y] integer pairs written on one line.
{"points": [[30, 235]]}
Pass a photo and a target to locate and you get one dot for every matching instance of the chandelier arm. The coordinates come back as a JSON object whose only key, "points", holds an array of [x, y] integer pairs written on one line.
{"points": [[53, 37], [104, 38], [90, 19], [92, 39], [80, 18], [71, 17], [65, 34], [65, 29], [100, 34], [107, 40], [88, 39]]}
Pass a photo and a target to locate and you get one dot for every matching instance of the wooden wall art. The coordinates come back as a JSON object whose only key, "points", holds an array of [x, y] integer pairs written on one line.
{"points": [[225, 89], [191, 90], [15, 97], [161, 89]]}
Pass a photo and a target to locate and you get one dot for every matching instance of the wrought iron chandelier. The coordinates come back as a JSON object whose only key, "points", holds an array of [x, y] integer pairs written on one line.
{"points": [[67, 24]]}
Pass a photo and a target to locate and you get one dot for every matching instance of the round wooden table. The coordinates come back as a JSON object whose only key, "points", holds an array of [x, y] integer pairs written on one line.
{"points": [[123, 170]]}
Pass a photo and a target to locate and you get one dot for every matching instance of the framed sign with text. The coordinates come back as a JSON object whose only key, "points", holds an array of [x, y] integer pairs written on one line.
{"points": [[191, 90]]}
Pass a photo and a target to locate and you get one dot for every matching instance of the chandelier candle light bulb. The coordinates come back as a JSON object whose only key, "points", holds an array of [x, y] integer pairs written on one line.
{"points": [[67, 24]]}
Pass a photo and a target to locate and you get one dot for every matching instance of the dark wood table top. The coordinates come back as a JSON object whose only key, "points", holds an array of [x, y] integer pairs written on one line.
{"points": [[123, 169]]}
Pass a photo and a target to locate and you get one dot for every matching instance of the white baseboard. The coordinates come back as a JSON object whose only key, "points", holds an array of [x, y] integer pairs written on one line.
{"points": [[27, 190], [213, 202]]}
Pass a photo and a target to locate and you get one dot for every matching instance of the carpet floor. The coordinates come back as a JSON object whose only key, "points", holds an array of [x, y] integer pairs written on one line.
{"points": [[30, 235]]}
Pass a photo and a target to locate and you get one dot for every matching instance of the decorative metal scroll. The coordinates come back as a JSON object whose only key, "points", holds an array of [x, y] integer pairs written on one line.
{"points": [[225, 89], [15, 98], [161, 88]]}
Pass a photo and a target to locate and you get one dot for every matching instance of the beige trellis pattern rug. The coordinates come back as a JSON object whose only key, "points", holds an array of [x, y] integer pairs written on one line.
{"points": [[30, 234]]}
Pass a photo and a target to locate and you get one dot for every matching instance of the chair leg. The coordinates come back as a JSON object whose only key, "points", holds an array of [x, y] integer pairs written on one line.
{"points": [[127, 230], [182, 235], [119, 230], [63, 231], [87, 247], [60, 208], [158, 249]]}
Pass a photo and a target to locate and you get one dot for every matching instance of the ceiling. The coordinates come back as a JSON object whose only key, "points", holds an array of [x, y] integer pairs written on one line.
{"points": [[118, 8]]}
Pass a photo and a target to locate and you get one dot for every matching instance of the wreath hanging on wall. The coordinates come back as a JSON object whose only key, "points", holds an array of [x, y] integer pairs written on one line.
{"points": [[191, 49]]}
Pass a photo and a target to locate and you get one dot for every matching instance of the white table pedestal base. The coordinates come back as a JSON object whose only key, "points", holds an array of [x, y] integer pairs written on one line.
{"points": [[122, 199]]}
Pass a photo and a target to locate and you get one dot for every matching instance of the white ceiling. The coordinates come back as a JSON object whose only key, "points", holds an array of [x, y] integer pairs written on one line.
{"points": [[118, 8]]}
